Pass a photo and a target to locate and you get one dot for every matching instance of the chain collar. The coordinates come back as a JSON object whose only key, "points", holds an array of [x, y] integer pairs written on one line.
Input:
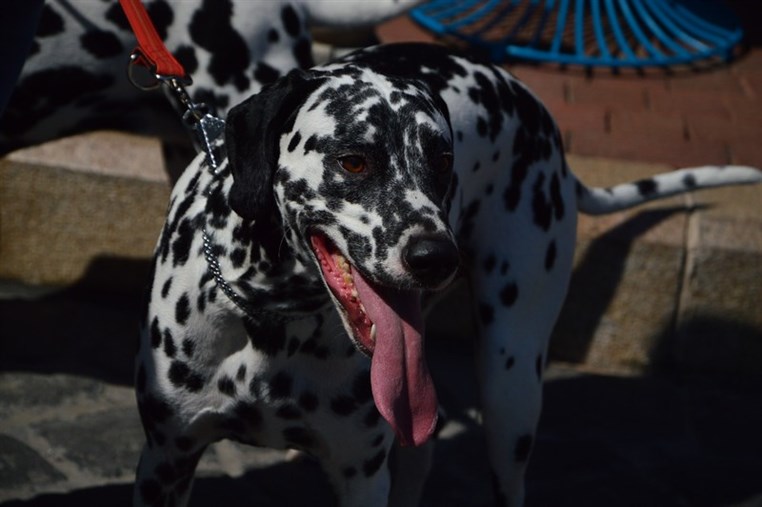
{"points": [[209, 130]]}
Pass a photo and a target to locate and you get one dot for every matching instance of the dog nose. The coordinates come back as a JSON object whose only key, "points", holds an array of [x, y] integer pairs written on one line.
{"points": [[431, 259]]}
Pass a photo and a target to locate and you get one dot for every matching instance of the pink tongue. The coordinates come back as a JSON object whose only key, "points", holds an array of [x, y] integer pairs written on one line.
{"points": [[402, 387]]}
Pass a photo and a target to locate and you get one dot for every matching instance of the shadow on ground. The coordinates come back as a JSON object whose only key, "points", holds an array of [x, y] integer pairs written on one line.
{"points": [[595, 281], [603, 441], [89, 329], [299, 484]]}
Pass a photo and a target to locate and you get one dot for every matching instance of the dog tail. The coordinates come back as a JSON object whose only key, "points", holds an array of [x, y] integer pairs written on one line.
{"points": [[599, 201]]}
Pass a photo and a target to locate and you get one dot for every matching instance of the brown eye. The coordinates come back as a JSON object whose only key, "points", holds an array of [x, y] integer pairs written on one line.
{"points": [[352, 163], [445, 162]]}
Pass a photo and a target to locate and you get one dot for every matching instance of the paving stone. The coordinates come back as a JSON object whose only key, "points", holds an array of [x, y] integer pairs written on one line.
{"points": [[746, 154], [105, 444], [24, 391], [720, 328], [650, 148], [634, 124], [621, 93], [623, 296], [21, 466], [590, 118]]}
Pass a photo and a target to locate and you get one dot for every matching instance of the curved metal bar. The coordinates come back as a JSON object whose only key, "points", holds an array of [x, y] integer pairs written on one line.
{"points": [[456, 8], [655, 27], [555, 46], [598, 29], [624, 46], [579, 25], [478, 13], [667, 32], [531, 8], [665, 16], [543, 21], [639, 34], [506, 8]]}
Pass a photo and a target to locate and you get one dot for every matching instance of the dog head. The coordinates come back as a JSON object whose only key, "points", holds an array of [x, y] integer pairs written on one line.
{"points": [[359, 166]]}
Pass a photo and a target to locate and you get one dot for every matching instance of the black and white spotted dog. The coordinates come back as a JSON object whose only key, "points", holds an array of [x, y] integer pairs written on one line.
{"points": [[74, 77], [286, 301]]}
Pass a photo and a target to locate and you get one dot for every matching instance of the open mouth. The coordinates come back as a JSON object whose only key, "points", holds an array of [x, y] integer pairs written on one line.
{"points": [[386, 324], [340, 277]]}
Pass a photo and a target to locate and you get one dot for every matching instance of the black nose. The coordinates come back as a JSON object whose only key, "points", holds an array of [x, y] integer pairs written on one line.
{"points": [[432, 260]]}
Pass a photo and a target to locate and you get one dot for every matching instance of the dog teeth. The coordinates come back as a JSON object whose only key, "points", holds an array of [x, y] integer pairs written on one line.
{"points": [[345, 270], [373, 333], [341, 262]]}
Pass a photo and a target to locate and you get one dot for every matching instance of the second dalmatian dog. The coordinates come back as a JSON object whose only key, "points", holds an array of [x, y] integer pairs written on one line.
{"points": [[285, 309], [73, 80]]}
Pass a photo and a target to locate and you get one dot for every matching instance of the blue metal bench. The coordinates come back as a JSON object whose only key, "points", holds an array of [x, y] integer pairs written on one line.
{"points": [[592, 33]]}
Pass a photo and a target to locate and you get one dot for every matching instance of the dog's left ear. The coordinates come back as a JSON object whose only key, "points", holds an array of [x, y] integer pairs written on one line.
{"points": [[253, 129]]}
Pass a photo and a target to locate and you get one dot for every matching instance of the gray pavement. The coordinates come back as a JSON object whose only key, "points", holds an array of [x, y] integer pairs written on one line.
{"points": [[70, 435]]}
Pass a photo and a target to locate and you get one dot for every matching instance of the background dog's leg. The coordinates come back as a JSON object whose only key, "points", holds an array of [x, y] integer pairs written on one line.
{"points": [[165, 475]]}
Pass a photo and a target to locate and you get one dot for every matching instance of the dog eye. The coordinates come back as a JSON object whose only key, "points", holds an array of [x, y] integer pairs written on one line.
{"points": [[445, 163], [352, 163]]}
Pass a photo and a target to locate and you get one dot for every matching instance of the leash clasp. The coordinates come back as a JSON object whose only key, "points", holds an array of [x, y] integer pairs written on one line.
{"points": [[158, 66], [148, 79]]}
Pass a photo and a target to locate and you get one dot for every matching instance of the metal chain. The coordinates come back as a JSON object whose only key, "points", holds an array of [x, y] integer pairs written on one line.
{"points": [[224, 286], [208, 129]]}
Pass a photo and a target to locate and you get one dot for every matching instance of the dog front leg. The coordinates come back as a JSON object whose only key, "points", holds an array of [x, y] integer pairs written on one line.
{"points": [[165, 474], [410, 467]]}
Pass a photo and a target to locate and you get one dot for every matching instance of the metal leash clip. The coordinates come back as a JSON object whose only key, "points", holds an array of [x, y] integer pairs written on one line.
{"points": [[207, 127]]}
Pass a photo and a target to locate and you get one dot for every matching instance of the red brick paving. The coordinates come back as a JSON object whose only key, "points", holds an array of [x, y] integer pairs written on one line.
{"points": [[683, 119]]}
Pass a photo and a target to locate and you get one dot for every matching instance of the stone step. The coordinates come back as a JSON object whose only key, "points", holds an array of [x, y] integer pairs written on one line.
{"points": [[74, 208], [675, 283]]}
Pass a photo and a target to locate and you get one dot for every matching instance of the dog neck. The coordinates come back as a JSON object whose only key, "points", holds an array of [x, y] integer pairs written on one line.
{"points": [[260, 272]]}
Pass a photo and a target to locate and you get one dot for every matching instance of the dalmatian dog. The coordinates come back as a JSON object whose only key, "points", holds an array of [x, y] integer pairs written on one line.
{"points": [[285, 308], [74, 77]]}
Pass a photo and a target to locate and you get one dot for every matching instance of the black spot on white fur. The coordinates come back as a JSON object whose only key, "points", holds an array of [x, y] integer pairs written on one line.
{"points": [[523, 448], [509, 294], [211, 29], [550, 255], [646, 187], [50, 23], [101, 44]]}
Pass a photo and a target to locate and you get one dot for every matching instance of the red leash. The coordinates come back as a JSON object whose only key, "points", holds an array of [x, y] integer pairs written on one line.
{"points": [[151, 51], [152, 54]]}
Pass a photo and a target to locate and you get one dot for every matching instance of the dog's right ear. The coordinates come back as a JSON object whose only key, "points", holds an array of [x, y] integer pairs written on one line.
{"points": [[252, 131]]}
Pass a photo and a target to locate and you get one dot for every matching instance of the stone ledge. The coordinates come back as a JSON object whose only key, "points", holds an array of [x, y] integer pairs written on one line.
{"points": [[671, 284], [69, 203]]}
